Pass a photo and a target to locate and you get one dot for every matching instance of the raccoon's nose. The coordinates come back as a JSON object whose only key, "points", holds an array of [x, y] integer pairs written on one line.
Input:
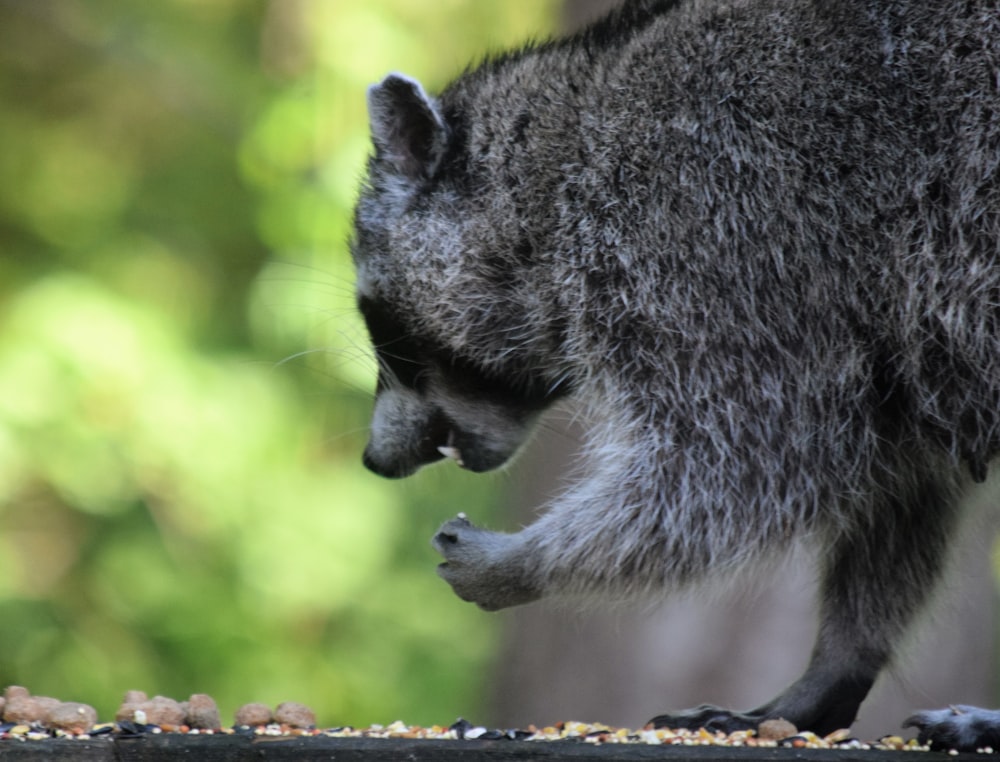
{"points": [[383, 467], [369, 462], [386, 470], [396, 465]]}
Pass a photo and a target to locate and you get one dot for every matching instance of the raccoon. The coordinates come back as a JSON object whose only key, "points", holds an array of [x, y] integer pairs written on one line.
{"points": [[756, 243]]}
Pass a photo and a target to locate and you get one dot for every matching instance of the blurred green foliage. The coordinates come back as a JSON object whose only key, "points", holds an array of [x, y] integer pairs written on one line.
{"points": [[184, 387]]}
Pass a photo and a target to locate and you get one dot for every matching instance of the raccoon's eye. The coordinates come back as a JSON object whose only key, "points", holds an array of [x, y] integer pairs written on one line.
{"points": [[396, 349], [468, 380]]}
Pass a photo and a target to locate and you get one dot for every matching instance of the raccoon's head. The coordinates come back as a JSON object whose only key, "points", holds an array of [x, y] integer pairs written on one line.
{"points": [[431, 403], [441, 391]]}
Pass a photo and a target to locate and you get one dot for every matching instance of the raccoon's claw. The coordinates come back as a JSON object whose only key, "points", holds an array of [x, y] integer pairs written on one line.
{"points": [[482, 567], [711, 718], [448, 533]]}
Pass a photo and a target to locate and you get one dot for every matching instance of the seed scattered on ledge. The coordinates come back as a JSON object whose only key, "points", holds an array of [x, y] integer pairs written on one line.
{"points": [[35, 718]]}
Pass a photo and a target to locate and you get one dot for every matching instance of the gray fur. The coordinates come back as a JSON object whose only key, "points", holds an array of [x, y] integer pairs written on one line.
{"points": [[757, 242]]}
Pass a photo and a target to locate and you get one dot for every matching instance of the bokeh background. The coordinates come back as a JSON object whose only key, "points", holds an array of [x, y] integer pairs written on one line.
{"points": [[185, 390]]}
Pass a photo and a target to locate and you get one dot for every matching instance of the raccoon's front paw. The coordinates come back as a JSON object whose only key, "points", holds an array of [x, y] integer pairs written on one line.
{"points": [[481, 566]]}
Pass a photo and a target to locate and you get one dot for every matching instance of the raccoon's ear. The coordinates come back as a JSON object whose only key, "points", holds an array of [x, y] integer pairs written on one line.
{"points": [[407, 127]]}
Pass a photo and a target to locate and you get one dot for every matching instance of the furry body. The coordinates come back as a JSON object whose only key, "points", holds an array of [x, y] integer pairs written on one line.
{"points": [[757, 241]]}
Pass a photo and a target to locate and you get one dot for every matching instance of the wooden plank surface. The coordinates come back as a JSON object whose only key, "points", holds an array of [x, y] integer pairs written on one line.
{"points": [[234, 748]]}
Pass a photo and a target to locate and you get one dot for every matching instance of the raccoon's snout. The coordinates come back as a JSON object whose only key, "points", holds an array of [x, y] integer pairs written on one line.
{"points": [[405, 434], [394, 468], [409, 431], [394, 462]]}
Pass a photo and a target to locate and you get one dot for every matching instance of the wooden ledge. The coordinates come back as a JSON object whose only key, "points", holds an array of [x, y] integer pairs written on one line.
{"points": [[170, 747]]}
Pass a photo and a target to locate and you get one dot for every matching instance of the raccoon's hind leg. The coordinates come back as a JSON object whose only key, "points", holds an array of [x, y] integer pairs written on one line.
{"points": [[875, 580], [965, 728]]}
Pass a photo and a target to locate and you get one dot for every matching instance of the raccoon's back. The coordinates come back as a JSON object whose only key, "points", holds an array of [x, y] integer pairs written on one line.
{"points": [[817, 182], [818, 178], [854, 144]]}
